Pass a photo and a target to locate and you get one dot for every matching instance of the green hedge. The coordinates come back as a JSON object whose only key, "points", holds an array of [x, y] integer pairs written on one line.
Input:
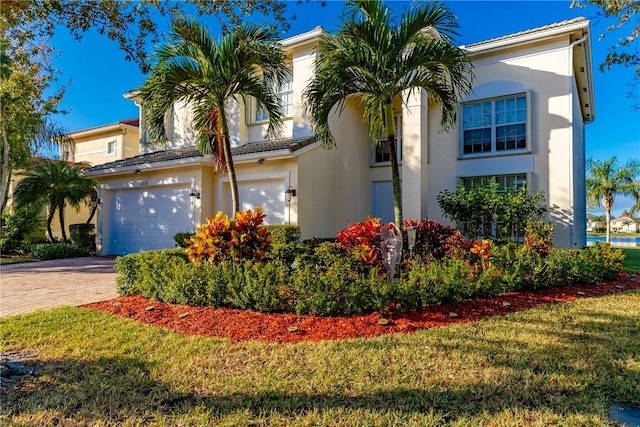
{"points": [[83, 236], [45, 251], [322, 281], [284, 234]]}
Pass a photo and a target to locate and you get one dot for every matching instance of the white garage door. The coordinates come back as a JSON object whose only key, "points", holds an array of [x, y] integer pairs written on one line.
{"points": [[266, 193], [143, 219]]}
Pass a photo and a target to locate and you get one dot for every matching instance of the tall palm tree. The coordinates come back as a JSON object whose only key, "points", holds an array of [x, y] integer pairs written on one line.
{"points": [[377, 60], [54, 184], [606, 179], [194, 69]]}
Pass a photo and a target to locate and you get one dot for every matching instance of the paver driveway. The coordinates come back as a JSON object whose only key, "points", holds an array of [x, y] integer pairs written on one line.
{"points": [[47, 284]]}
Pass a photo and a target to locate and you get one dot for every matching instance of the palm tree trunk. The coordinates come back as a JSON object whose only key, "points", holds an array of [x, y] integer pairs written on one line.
{"points": [[231, 172], [395, 169], [5, 178], [607, 202], [51, 210], [228, 159], [61, 218], [607, 211]]}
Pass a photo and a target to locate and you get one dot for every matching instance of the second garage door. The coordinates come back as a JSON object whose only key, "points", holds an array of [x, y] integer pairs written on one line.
{"points": [[269, 194]]}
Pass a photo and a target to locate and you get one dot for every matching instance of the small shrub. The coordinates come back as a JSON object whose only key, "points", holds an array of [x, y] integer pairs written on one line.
{"points": [[182, 238], [16, 227], [539, 236], [45, 251], [83, 236], [240, 238], [261, 287], [284, 234], [338, 290]]}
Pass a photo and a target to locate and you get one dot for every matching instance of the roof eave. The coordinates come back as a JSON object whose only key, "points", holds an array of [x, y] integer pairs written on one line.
{"points": [[510, 42]]}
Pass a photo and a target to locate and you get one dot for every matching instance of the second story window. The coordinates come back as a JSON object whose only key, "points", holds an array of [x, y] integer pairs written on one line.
{"points": [[495, 126], [381, 153], [285, 95], [111, 148]]}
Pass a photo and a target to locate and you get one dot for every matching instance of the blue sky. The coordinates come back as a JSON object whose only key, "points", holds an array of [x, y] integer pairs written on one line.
{"points": [[99, 75]]}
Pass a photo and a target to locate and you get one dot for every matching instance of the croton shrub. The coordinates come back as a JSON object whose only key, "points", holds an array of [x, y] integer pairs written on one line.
{"points": [[223, 238]]}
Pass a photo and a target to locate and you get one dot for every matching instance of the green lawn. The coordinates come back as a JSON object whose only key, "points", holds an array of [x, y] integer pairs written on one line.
{"points": [[632, 259], [562, 364]]}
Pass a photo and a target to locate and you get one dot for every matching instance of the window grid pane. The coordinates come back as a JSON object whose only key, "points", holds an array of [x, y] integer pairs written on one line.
{"points": [[381, 151], [498, 125]]}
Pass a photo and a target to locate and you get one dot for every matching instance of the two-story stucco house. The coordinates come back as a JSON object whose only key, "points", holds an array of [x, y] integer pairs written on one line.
{"points": [[523, 122], [625, 223]]}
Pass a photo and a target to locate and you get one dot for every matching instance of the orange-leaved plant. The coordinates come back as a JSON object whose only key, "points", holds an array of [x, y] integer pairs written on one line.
{"points": [[223, 238]]}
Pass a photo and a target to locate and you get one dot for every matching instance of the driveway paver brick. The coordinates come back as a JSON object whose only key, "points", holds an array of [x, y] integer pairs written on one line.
{"points": [[48, 284]]}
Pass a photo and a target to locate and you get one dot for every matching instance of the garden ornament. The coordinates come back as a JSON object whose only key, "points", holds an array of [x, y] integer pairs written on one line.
{"points": [[390, 247]]}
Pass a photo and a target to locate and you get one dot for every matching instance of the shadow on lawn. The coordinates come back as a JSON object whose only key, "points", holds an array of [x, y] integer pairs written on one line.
{"points": [[587, 348]]}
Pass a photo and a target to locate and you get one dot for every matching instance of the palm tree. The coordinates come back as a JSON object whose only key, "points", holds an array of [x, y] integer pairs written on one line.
{"points": [[193, 69], [54, 184], [377, 60], [606, 179]]}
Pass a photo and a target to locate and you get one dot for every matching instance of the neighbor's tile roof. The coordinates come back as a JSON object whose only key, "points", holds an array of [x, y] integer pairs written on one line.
{"points": [[527, 32], [131, 122], [292, 144]]}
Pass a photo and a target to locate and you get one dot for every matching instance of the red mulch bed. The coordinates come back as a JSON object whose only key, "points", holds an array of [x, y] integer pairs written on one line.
{"points": [[239, 325]]}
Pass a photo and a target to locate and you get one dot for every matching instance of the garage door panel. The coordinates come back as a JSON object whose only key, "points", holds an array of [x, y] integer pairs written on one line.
{"points": [[268, 194], [147, 219]]}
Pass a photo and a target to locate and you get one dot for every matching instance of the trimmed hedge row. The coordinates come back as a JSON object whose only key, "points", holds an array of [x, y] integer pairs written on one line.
{"points": [[46, 251], [322, 281]]}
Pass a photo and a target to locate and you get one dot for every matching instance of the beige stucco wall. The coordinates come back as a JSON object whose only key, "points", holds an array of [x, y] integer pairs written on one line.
{"points": [[92, 148], [543, 70]]}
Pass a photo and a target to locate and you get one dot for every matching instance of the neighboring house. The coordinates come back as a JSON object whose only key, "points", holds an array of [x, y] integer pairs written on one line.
{"points": [[97, 145], [523, 122], [103, 144], [625, 224], [594, 225]]}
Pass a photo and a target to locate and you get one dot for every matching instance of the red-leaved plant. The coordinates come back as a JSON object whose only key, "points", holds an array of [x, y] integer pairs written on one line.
{"points": [[362, 241], [431, 238]]}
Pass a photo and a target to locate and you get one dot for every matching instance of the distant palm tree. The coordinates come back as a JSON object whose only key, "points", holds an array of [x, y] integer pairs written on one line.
{"points": [[606, 179], [192, 68], [54, 184], [377, 60]]}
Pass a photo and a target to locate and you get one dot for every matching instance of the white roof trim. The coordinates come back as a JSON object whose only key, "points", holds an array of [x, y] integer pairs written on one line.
{"points": [[526, 38]]}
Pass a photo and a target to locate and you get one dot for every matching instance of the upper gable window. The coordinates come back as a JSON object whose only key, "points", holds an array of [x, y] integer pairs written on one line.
{"points": [[111, 148], [496, 126], [285, 96]]}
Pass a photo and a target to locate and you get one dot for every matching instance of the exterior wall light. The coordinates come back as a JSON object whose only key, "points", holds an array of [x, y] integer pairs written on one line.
{"points": [[289, 193]]}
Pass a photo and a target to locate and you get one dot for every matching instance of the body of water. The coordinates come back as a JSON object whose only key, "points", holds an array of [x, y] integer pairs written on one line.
{"points": [[615, 241]]}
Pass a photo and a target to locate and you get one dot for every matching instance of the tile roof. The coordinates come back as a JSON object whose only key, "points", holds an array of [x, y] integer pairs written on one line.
{"points": [[131, 122], [527, 32], [292, 144]]}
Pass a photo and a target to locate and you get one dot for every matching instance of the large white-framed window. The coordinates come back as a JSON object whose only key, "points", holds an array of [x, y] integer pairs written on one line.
{"points": [[496, 126], [380, 154], [285, 95], [111, 147]]}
